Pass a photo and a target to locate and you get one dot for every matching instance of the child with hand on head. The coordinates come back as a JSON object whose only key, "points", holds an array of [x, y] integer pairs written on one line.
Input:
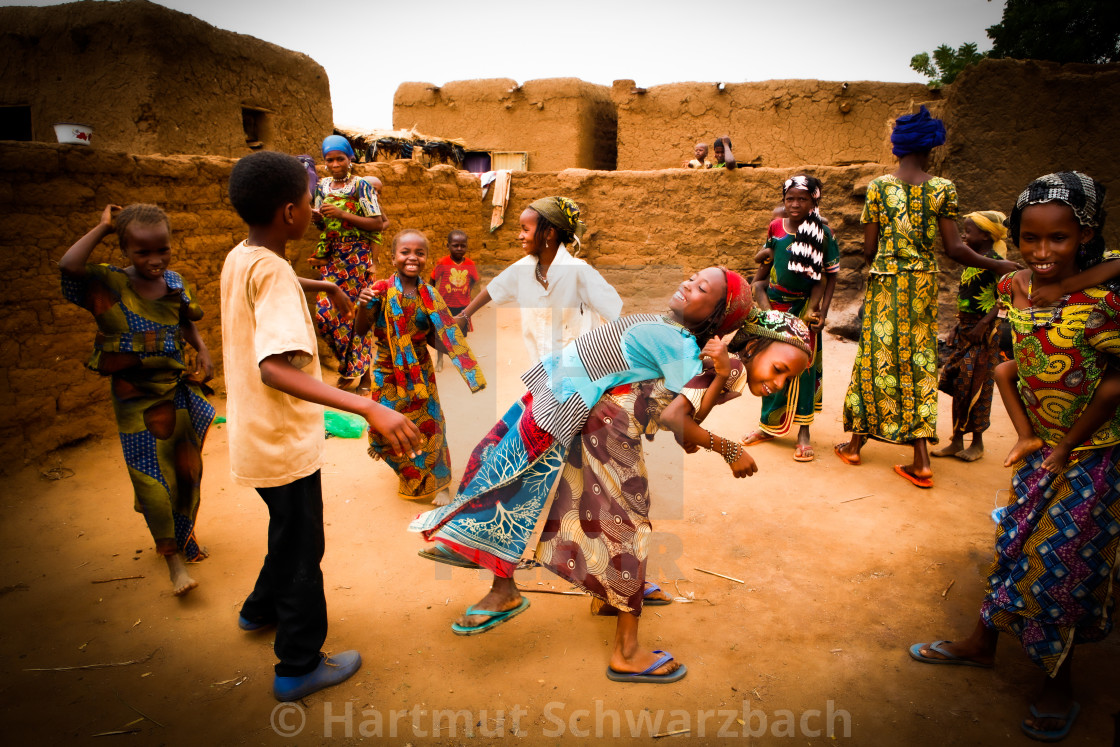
{"points": [[974, 342], [407, 315], [1050, 584], [725, 159], [560, 296], [347, 210], [799, 280], [701, 161], [275, 398], [455, 277], [145, 313]]}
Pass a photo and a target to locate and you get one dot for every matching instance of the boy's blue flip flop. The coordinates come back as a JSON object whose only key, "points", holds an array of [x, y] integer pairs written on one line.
{"points": [[916, 654], [653, 589], [1054, 735], [647, 676], [496, 619]]}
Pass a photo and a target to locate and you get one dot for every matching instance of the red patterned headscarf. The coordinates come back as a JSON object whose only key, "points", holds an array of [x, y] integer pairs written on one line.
{"points": [[738, 302]]}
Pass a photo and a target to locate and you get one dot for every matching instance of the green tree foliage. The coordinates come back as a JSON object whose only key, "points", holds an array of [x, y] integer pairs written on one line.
{"points": [[1058, 30], [947, 63]]}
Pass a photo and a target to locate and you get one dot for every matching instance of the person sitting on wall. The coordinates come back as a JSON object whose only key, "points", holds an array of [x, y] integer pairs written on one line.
{"points": [[725, 159], [701, 161]]}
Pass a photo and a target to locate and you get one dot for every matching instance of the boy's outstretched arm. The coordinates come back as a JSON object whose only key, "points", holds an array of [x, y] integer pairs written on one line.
{"points": [[337, 296], [74, 261], [1048, 295], [278, 372], [1101, 409]]}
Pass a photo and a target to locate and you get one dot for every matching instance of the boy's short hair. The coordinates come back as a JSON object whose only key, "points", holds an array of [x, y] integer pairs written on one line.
{"points": [[409, 232], [456, 232], [263, 182]]}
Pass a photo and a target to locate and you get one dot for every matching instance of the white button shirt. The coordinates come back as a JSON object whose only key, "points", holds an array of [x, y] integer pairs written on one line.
{"points": [[577, 300]]}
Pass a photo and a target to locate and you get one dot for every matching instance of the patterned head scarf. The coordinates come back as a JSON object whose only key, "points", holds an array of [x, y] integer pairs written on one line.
{"points": [[737, 304], [339, 143], [779, 326], [562, 213], [992, 222], [807, 249], [916, 133]]}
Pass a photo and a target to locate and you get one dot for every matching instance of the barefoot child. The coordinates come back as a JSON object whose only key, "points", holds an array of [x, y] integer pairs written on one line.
{"points": [[455, 277], [1050, 584], [974, 342], [561, 297], [407, 315], [799, 280], [347, 209], [145, 313], [275, 400]]}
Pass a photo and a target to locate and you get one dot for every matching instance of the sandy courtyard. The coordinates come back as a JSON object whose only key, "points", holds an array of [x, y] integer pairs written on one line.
{"points": [[843, 568]]}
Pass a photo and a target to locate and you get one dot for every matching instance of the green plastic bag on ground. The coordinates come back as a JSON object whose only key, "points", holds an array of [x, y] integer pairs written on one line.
{"points": [[344, 424]]}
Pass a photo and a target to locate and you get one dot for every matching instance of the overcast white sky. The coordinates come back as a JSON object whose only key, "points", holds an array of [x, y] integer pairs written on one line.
{"points": [[368, 48]]}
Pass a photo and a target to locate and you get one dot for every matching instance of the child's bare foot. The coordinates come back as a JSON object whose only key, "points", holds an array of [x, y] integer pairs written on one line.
{"points": [[1057, 460], [1023, 448], [442, 498], [971, 454], [953, 448], [181, 581], [439, 364]]}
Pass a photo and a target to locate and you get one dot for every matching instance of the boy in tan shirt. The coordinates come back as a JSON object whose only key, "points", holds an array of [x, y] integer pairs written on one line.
{"points": [[274, 404]]}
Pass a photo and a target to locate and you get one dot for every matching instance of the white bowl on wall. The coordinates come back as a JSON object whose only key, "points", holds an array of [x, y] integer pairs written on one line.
{"points": [[70, 133]]}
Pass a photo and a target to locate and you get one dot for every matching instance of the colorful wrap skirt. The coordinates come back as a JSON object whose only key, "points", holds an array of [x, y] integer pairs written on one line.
{"points": [[967, 375], [799, 402], [350, 266]]}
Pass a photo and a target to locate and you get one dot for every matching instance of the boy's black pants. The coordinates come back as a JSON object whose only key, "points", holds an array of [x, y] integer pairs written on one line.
{"points": [[289, 589]]}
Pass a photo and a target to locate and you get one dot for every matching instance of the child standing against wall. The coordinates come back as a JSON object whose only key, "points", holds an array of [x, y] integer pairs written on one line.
{"points": [[974, 342], [561, 297], [275, 399], [407, 315], [797, 274], [455, 277], [145, 313]]}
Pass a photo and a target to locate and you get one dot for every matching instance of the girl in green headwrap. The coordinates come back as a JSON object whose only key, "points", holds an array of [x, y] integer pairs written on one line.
{"points": [[561, 297]]}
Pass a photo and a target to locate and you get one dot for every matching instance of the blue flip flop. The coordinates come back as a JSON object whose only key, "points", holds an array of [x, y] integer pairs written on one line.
{"points": [[653, 589], [496, 619], [647, 676], [916, 654], [1054, 735]]}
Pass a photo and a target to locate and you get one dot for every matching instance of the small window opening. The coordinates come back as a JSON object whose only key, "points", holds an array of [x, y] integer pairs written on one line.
{"points": [[15, 123], [255, 123]]}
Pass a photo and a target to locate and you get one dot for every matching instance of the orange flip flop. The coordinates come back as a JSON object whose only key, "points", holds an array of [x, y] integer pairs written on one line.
{"points": [[921, 482], [758, 437], [838, 449]]}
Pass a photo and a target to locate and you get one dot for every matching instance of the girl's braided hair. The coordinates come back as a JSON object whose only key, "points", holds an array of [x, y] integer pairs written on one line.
{"points": [[140, 214]]}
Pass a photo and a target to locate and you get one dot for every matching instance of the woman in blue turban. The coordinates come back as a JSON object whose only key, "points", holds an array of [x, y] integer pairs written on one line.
{"points": [[349, 217], [893, 393]]}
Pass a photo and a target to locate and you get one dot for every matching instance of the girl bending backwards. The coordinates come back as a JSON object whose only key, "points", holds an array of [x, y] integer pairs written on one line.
{"points": [[561, 297], [803, 260], [407, 315], [145, 313], [581, 421], [347, 211], [974, 342], [1050, 584]]}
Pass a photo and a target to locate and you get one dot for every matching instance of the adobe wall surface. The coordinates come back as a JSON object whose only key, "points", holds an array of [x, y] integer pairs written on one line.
{"points": [[153, 80], [561, 122], [1011, 121], [783, 122]]}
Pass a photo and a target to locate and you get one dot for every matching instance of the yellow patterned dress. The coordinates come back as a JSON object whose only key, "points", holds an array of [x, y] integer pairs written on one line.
{"points": [[1050, 583], [893, 393]]}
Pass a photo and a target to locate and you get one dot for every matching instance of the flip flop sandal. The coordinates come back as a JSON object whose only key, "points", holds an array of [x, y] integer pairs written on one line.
{"points": [[838, 449], [758, 437], [916, 654], [803, 453], [441, 554], [495, 619], [647, 676], [921, 482], [1053, 735], [653, 589]]}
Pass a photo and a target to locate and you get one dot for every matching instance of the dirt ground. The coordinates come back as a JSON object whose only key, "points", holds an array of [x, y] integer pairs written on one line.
{"points": [[841, 568]]}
